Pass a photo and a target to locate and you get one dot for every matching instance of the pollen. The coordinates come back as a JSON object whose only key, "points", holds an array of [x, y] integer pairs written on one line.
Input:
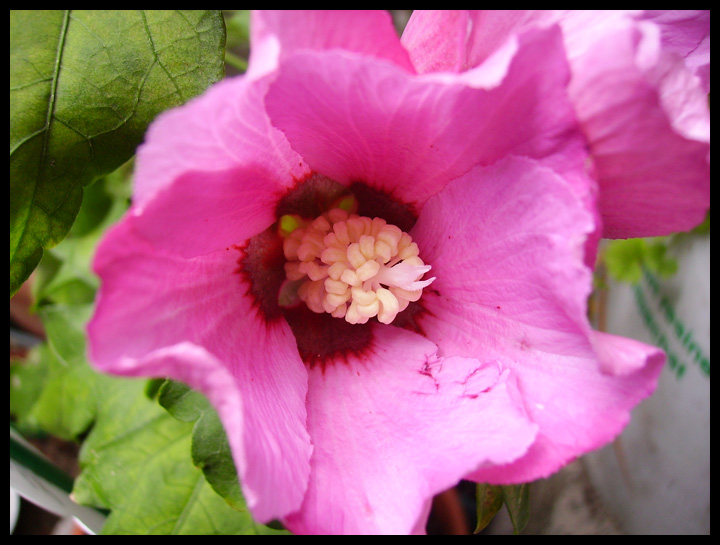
{"points": [[353, 267]]}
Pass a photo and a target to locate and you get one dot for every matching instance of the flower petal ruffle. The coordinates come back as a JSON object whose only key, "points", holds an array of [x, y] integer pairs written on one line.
{"points": [[192, 320], [214, 170], [639, 88], [686, 33], [648, 130], [457, 40], [395, 425], [355, 118], [437, 40], [277, 34], [505, 243]]}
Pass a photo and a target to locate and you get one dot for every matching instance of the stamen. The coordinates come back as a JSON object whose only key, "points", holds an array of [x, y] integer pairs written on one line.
{"points": [[353, 267]]}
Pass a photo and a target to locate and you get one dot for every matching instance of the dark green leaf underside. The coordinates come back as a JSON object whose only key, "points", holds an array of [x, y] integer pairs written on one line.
{"points": [[210, 448]]}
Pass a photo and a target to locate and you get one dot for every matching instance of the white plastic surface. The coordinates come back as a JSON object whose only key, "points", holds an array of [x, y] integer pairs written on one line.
{"points": [[656, 477]]}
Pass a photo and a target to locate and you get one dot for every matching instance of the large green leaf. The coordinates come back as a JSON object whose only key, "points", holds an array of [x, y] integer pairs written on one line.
{"points": [[84, 85], [136, 463]]}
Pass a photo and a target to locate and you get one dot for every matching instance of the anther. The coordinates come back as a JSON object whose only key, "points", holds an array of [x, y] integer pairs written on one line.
{"points": [[354, 267]]}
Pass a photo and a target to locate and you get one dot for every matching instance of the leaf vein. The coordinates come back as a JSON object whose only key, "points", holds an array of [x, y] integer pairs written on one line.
{"points": [[46, 132], [30, 83], [157, 58], [185, 513]]}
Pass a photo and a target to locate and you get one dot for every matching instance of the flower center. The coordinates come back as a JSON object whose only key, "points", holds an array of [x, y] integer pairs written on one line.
{"points": [[351, 266]]}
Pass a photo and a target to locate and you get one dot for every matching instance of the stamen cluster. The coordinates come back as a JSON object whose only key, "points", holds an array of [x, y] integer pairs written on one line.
{"points": [[354, 267]]}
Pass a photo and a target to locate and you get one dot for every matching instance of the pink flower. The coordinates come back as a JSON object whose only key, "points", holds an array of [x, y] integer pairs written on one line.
{"points": [[640, 84], [239, 227]]}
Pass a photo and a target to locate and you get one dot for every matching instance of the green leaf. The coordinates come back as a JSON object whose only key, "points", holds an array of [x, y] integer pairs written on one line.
{"points": [[64, 275], [658, 261], [517, 500], [136, 463], [84, 85], [237, 49], [237, 23], [51, 390], [704, 227], [210, 447], [136, 460], [489, 500], [626, 259], [27, 378], [54, 391], [132, 456]]}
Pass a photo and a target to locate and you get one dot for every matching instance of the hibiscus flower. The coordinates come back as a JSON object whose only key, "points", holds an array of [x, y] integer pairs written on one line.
{"points": [[639, 86], [378, 278]]}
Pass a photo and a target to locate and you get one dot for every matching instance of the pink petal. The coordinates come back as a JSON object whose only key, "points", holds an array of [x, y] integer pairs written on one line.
{"points": [[213, 169], [686, 33], [683, 99], [396, 425], [654, 180], [577, 409], [436, 40], [622, 356], [203, 212], [420, 528], [457, 40], [505, 243], [192, 320], [276, 34], [639, 92], [360, 119]]}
